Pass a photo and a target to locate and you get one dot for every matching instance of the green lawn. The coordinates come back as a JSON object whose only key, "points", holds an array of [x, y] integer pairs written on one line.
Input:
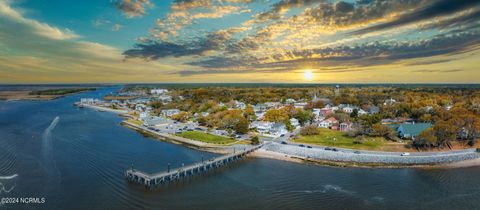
{"points": [[206, 137], [327, 136]]}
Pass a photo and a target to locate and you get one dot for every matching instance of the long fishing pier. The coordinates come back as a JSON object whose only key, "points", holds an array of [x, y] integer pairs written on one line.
{"points": [[151, 181]]}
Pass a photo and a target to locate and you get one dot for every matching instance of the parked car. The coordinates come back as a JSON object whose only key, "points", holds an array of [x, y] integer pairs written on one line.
{"points": [[301, 145], [328, 148], [309, 146], [334, 149], [405, 154], [284, 142], [356, 152], [282, 135]]}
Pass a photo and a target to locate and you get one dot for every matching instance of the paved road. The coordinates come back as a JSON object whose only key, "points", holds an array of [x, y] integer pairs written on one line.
{"points": [[347, 155]]}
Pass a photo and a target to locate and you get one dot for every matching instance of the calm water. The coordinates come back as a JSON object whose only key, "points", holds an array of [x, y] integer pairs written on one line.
{"points": [[75, 158]]}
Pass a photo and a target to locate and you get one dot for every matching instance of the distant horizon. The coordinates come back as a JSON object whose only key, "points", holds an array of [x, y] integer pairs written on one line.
{"points": [[240, 41]]}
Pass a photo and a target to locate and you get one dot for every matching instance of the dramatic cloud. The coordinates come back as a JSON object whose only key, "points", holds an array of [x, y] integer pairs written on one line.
{"points": [[132, 8], [152, 50], [435, 9]]}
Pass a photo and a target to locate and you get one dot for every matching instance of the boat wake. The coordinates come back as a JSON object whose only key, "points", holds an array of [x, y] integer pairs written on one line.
{"points": [[47, 148], [327, 188], [5, 182]]}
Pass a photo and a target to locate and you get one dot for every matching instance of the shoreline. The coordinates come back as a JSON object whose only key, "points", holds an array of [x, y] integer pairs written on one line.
{"points": [[263, 153]]}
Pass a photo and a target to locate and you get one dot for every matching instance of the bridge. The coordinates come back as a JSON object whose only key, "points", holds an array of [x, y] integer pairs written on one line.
{"points": [[151, 181]]}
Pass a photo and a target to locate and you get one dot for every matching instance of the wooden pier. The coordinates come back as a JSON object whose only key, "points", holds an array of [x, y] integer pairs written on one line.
{"points": [[151, 181]]}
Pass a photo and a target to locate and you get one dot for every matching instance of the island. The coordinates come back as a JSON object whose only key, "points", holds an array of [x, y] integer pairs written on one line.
{"points": [[40, 93]]}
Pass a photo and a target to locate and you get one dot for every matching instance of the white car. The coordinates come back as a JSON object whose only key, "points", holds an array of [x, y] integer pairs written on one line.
{"points": [[405, 154]]}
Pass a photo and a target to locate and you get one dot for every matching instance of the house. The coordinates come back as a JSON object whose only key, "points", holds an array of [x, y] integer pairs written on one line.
{"points": [[300, 105], [345, 126], [240, 105], [390, 101], [361, 112], [295, 123], [170, 112], [348, 109], [328, 123], [290, 101], [410, 131], [269, 128], [273, 105], [261, 126], [326, 111], [158, 91], [164, 99]]}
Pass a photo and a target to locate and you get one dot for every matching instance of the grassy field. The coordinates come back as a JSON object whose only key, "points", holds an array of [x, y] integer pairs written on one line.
{"points": [[133, 121], [206, 137], [335, 138]]}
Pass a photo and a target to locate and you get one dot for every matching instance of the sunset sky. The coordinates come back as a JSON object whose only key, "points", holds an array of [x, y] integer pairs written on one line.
{"points": [[321, 41]]}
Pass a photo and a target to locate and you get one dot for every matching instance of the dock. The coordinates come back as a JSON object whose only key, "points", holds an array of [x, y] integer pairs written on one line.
{"points": [[151, 181]]}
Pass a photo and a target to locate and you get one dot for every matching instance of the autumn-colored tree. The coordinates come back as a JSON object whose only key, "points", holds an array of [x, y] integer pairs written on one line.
{"points": [[276, 115], [309, 130], [249, 113], [182, 116], [445, 133], [426, 138], [303, 116]]}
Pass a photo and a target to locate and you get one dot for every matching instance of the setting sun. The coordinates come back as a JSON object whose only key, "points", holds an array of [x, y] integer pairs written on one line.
{"points": [[308, 75]]}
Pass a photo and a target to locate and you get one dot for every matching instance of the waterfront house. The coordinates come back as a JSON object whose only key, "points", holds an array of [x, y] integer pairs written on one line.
{"points": [[269, 128], [410, 131], [328, 123]]}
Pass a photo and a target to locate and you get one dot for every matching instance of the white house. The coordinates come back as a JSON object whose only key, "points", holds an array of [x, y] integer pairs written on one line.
{"points": [[240, 105], [170, 112], [158, 91], [362, 112], [389, 102], [348, 109], [269, 128], [294, 122], [300, 105], [290, 101], [328, 123]]}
